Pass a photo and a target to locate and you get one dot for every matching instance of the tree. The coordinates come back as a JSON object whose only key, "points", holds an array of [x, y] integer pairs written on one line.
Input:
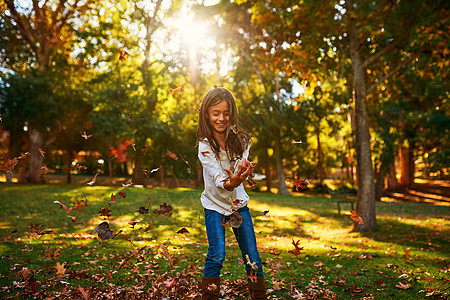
{"points": [[44, 32]]}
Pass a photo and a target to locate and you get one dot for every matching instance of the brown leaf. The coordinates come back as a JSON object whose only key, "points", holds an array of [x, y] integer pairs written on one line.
{"points": [[164, 210], [297, 249], [403, 286], [236, 220], [171, 155], [83, 292], [182, 230], [103, 231], [356, 218], [178, 88], [142, 210], [60, 269], [8, 165]]}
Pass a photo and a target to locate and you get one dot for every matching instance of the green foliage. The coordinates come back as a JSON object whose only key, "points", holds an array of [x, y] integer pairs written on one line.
{"points": [[321, 188]]}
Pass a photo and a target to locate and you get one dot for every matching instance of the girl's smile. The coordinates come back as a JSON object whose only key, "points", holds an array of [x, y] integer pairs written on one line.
{"points": [[219, 116]]}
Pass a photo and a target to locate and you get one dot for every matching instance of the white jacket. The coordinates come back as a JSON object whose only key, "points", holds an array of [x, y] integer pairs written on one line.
{"points": [[215, 196]]}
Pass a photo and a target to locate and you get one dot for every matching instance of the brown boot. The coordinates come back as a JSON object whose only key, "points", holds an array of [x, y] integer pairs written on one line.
{"points": [[257, 289], [210, 288]]}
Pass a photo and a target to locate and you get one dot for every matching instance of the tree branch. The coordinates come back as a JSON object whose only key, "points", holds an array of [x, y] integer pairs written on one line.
{"points": [[380, 53], [393, 71], [247, 56], [23, 25]]}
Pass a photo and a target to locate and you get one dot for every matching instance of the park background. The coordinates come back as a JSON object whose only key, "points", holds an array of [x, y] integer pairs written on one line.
{"points": [[351, 95]]}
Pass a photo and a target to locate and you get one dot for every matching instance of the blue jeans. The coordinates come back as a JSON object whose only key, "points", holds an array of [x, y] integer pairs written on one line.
{"points": [[245, 236]]}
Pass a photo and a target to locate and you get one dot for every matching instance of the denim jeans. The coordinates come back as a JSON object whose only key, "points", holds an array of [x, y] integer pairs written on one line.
{"points": [[245, 236]]}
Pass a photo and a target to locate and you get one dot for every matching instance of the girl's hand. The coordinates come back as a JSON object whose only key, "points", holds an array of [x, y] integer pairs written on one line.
{"points": [[245, 169]]}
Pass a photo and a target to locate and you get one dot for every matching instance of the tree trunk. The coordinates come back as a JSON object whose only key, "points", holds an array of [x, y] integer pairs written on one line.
{"points": [[31, 171], [365, 203], [161, 176], [406, 162], [320, 158], [68, 165], [392, 182], [268, 173], [138, 172], [281, 176]]}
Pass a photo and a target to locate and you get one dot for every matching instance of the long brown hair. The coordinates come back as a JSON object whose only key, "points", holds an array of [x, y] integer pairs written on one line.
{"points": [[236, 138]]}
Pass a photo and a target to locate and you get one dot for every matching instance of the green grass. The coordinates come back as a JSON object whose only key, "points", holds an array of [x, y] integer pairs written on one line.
{"points": [[410, 245]]}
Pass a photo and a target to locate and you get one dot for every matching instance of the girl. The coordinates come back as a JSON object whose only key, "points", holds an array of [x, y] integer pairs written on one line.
{"points": [[223, 149]]}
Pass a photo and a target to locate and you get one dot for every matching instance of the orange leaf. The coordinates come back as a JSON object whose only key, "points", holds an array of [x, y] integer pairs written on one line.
{"points": [[356, 218], [178, 88]]}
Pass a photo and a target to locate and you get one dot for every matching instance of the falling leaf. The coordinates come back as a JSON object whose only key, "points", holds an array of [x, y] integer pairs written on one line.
{"points": [[169, 257], [104, 211], [68, 210], [302, 183], [122, 194], [250, 263], [252, 276], [80, 167], [44, 170], [24, 155], [236, 220], [295, 142], [42, 152], [127, 184], [122, 54], [130, 116], [265, 212], [8, 165], [80, 203], [103, 231], [240, 261], [182, 230], [356, 218], [142, 210], [171, 155], [178, 88], [164, 210], [145, 149], [83, 292], [113, 199], [85, 136], [89, 125], [93, 180], [297, 249]]}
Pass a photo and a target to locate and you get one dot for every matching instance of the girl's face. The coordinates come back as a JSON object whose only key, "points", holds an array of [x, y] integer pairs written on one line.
{"points": [[219, 116]]}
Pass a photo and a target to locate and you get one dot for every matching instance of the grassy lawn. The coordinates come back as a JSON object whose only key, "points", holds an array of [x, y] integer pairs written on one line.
{"points": [[405, 257]]}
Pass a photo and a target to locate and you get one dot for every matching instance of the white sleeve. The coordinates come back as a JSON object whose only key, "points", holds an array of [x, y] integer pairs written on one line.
{"points": [[211, 165]]}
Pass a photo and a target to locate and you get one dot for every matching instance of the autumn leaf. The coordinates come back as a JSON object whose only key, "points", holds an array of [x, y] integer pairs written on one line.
{"points": [[302, 183], [93, 180], [85, 136], [182, 230], [103, 231], [295, 142], [42, 152], [122, 55], [44, 170], [89, 125], [356, 218], [142, 210], [83, 292], [24, 155], [145, 149], [68, 210], [252, 276], [122, 194], [171, 155], [236, 220], [113, 199], [7, 164], [130, 116], [127, 184], [80, 203], [297, 249], [104, 211], [250, 263], [169, 257], [60, 269], [265, 212], [178, 88], [80, 167], [204, 153], [132, 223], [164, 210], [403, 286]]}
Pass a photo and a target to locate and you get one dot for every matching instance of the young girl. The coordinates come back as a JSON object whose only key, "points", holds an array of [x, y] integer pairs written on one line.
{"points": [[223, 149]]}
